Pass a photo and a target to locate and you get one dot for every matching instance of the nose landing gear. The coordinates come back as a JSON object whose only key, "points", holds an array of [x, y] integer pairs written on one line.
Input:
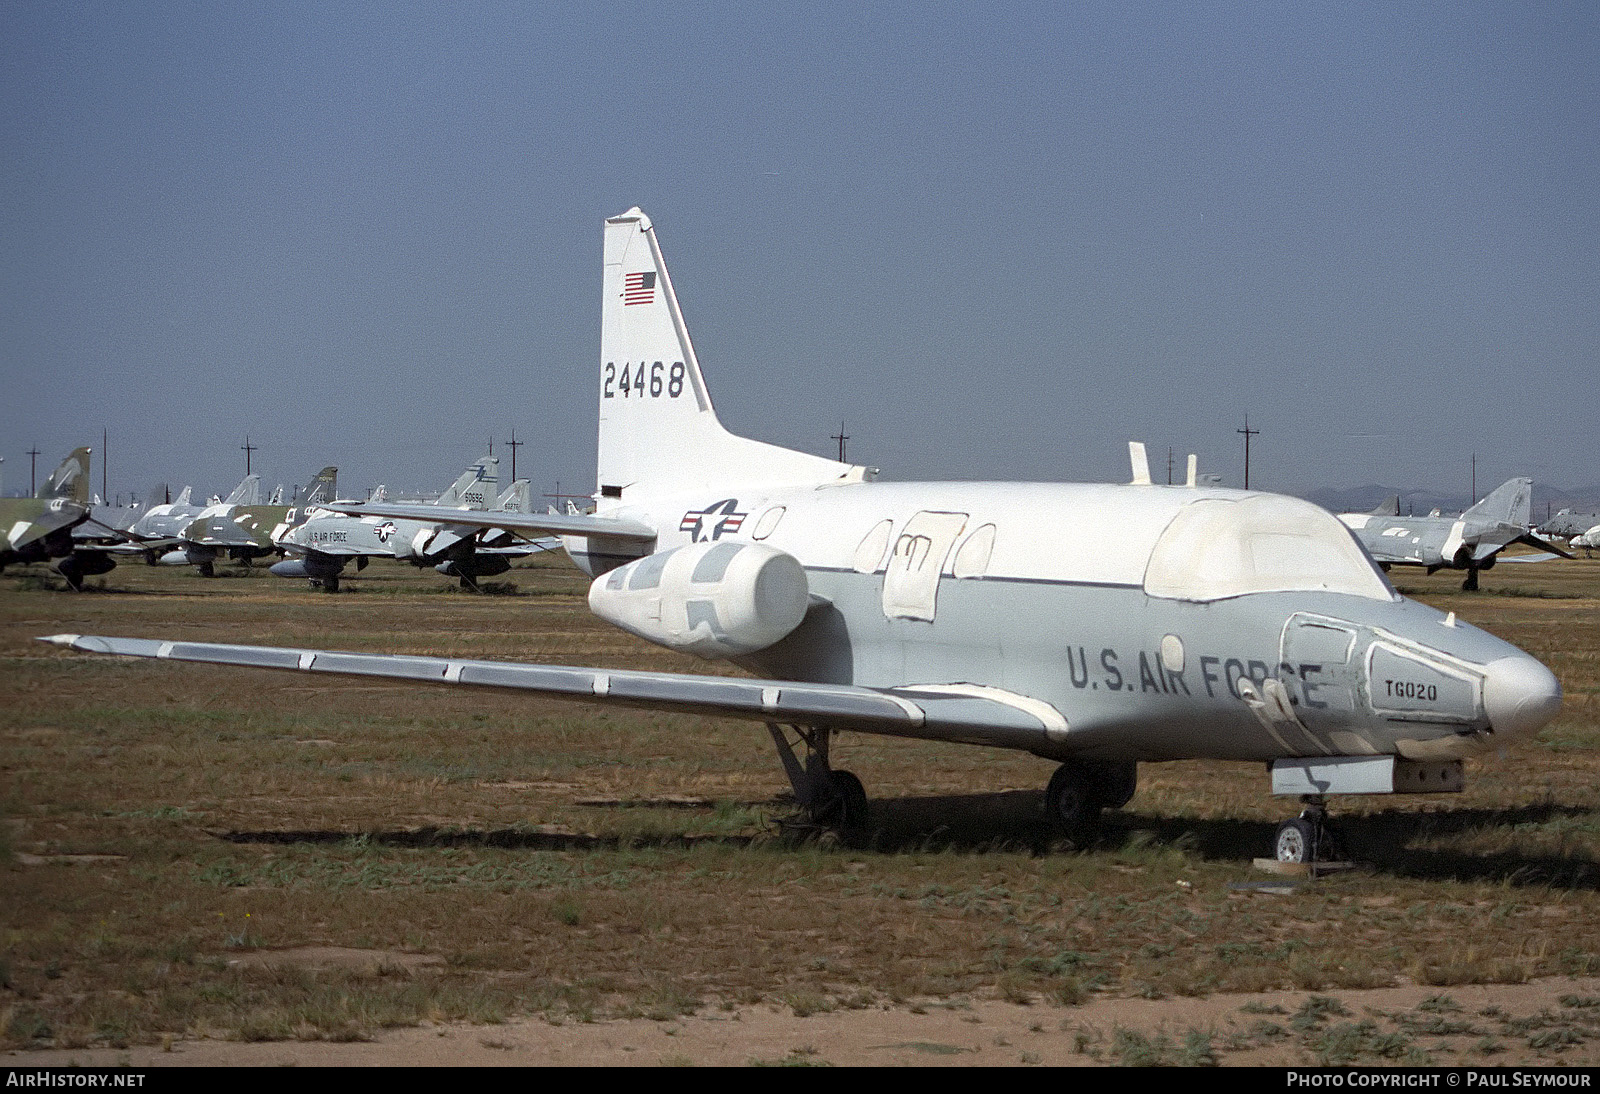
{"points": [[1308, 838]]}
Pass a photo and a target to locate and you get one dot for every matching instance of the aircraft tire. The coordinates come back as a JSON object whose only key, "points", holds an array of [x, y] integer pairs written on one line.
{"points": [[853, 804], [1296, 841], [207, 569], [1116, 783], [1073, 800], [331, 584]]}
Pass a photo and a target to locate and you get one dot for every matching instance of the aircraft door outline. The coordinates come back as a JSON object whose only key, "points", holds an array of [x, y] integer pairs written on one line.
{"points": [[911, 581]]}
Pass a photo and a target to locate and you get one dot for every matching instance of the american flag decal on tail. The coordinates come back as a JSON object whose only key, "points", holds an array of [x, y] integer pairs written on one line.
{"points": [[639, 288]]}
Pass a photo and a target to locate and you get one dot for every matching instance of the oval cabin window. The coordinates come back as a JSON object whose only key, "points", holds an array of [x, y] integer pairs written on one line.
{"points": [[768, 522], [972, 560], [874, 545]]}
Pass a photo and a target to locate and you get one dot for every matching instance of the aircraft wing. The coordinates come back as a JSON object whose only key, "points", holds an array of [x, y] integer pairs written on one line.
{"points": [[581, 524], [951, 712]]}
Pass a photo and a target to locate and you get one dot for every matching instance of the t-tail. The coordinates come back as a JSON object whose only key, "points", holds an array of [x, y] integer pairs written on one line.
{"points": [[1510, 503], [659, 433], [70, 481]]}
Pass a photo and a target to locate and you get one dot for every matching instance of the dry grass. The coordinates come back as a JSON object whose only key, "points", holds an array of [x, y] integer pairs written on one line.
{"points": [[251, 814]]}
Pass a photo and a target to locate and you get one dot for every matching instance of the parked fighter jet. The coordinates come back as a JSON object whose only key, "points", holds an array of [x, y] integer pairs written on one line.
{"points": [[329, 539], [1470, 542], [244, 530], [40, 528], [1217, 624], [1570, 525], [161, 527]]}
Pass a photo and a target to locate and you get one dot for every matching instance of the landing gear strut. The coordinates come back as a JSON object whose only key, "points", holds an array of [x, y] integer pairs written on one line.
{"points": [[832, 800], [1309, 837], [1470, 585]]}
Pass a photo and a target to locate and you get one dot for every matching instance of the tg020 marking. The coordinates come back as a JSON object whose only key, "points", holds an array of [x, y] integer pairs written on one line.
{"points": [[630, 380]]}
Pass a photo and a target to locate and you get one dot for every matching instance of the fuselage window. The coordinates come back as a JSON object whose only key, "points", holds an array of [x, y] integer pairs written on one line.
{"points": [[972, 558]]}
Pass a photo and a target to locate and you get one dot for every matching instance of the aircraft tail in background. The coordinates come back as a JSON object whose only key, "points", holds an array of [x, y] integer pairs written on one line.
{"points": [[69, 481], [1510, 503], [476, 488]]}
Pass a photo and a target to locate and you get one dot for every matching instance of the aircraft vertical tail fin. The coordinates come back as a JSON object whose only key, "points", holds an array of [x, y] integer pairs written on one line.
{"points": [[476, 488], [518, 498], [658, 429], [248, 492], [183, 497], [1388, 507], [1510, 503], [323, 487], [70, 480]]}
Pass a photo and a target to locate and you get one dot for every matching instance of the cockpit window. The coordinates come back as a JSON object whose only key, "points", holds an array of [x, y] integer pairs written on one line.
{"points": [[1218, 547]]}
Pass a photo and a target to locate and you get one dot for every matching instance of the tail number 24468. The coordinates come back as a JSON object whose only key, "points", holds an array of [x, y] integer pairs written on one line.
{"points": [[631, 380]]}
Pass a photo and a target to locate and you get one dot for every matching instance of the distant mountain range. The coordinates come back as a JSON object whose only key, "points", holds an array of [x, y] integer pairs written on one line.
{"points": [[1358, 499]]}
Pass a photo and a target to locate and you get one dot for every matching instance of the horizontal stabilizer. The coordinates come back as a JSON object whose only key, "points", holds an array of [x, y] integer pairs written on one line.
{"points": [[1538, 543], [521, 523], [950, 712]]}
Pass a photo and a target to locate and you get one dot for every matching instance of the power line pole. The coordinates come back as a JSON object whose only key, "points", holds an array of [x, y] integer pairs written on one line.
{"points": [[1248, 433], [33, 471], [247, 448], [1474, 499], [514, 444], [105, 447], [1169, 465], [841, 437]]}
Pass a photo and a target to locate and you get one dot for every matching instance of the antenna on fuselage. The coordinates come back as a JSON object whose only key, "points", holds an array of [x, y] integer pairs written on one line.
{"points": [[1141, 463]]}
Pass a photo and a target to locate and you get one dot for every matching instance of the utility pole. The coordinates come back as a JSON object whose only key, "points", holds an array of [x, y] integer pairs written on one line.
{"points": [[1474, 500], [105, 447], [514, 444], [247, 448], [33, 471], [841, 437], [1169, 465], [1248, 433]]}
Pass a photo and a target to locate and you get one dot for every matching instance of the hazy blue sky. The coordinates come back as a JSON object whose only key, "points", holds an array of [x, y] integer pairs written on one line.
{"points": [[997, 242]]}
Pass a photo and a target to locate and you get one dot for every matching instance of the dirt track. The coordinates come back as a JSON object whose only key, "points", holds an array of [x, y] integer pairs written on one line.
{"points": [[984, 1034]]}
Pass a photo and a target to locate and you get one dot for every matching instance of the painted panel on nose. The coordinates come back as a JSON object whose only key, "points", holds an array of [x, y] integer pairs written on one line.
{"points": [[1409, 687]]}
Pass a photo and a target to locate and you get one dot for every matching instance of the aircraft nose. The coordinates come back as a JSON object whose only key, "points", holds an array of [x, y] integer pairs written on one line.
{"points": [[1519, 695]]}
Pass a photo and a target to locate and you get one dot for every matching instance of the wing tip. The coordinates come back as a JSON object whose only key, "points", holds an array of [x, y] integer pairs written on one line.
{"points": [[67, 640]]}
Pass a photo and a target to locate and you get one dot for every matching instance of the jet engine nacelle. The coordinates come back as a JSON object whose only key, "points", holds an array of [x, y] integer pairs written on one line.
{"points": [[709, 599]]}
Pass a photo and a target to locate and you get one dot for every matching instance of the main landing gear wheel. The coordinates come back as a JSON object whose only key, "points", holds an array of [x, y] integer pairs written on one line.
{"points": [[833, 801], [1470, 585], [208, 569], [845, 811], [1073, 801]]}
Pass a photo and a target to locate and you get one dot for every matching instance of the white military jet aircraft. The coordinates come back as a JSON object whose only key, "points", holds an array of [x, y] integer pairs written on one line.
{"points": [[1223, 624]]}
